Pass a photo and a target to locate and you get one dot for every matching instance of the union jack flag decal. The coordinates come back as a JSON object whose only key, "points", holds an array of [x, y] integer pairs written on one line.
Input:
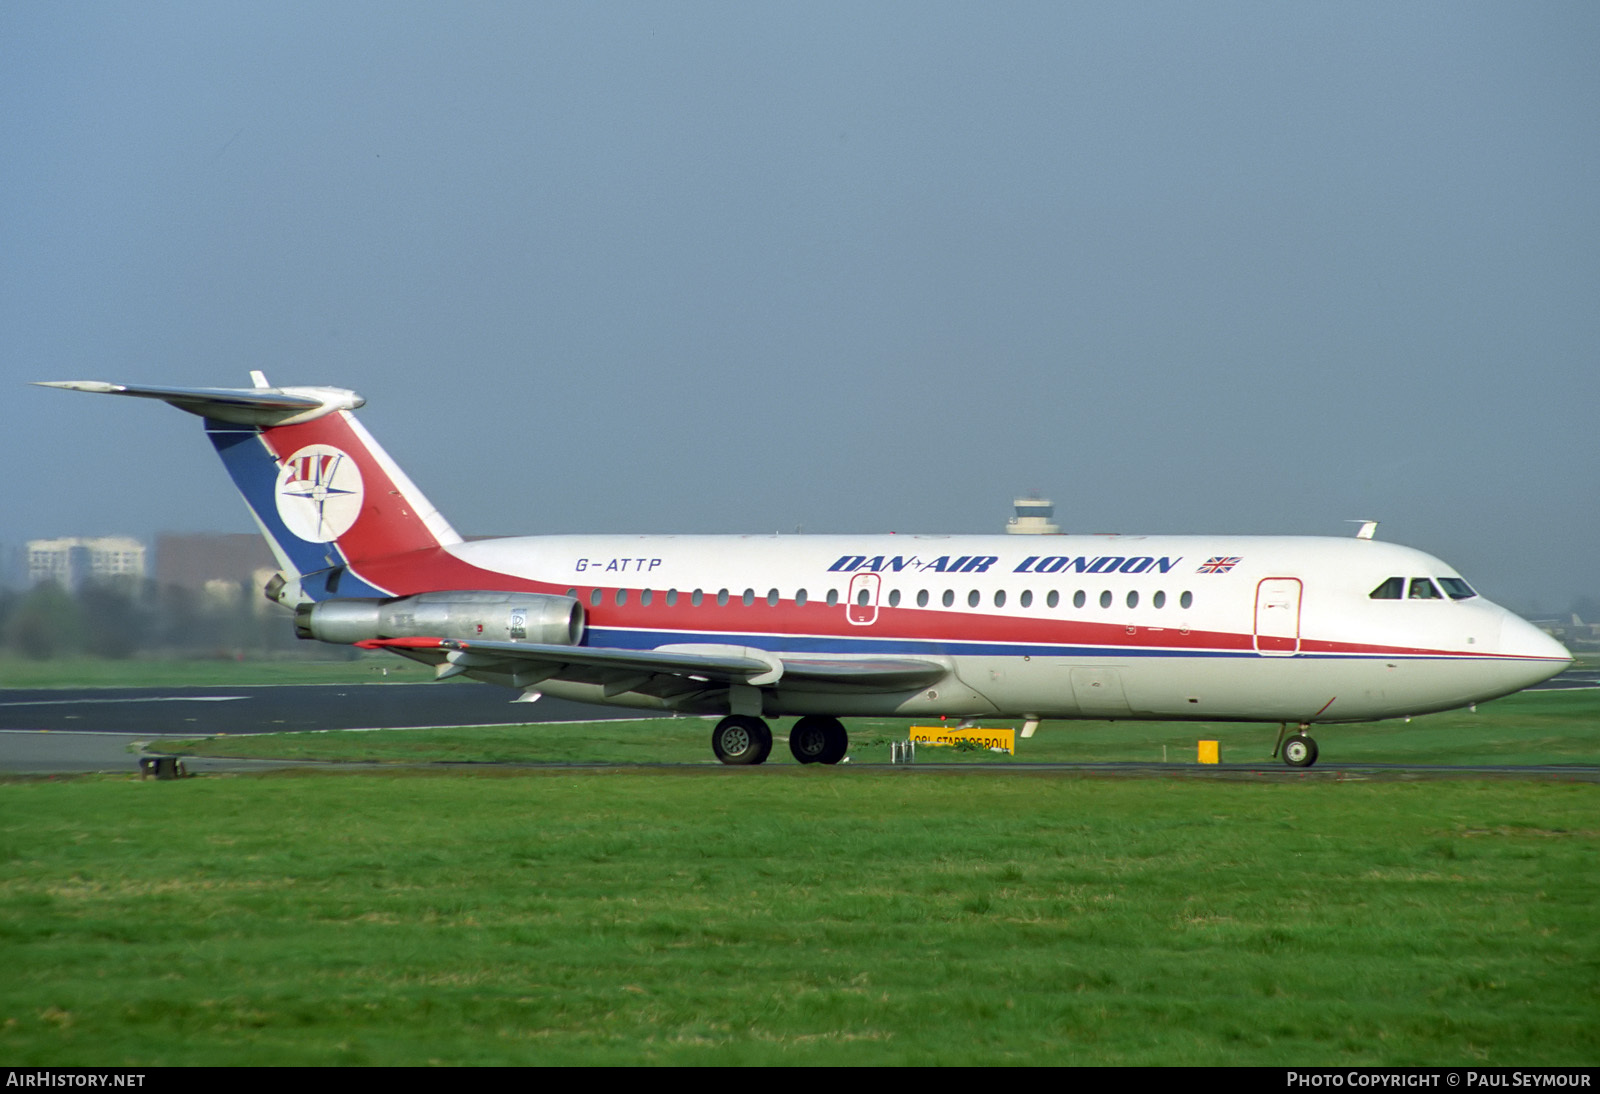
{"points": [[1218, 565]]}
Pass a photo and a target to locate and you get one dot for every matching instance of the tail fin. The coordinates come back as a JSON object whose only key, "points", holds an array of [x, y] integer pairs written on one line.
{"points": [[326, 495]]}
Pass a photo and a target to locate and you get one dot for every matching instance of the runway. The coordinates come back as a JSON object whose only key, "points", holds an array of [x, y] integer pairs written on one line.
{"points": [[203, 711], [63, 731]]}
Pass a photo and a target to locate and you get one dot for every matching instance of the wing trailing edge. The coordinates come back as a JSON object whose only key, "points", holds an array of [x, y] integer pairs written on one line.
{"points": [[667, 668]]}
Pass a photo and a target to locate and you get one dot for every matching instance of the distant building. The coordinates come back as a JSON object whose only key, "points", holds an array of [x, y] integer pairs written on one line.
{"points": [[72, 560], [225, 570], [1033, 518], [1572, 632]]}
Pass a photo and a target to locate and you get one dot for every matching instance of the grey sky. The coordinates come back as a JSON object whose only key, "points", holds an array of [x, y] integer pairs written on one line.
{"points": [[857, 267]]}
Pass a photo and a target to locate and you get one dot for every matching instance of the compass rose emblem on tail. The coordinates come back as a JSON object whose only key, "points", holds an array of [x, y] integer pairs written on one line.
{"points": [[319, 493]]}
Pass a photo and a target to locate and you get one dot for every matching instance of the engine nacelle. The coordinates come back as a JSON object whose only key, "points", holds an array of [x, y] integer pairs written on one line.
{"points": [[486, 616]]}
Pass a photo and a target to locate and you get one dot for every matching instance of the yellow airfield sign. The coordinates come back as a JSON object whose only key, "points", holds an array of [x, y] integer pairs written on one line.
{"points": [[999, 740]]}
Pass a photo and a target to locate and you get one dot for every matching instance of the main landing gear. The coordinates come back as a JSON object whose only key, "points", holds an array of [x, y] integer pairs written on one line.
{"points": [[1299, 750], [815, 739], [741, 739], [818, 740]]}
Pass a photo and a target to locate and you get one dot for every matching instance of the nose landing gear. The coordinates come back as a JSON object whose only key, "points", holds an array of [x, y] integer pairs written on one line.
{"points": [[1299, 750]]}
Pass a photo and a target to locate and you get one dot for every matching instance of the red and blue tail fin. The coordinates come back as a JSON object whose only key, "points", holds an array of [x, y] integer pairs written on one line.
{"points": [[332, 503]]}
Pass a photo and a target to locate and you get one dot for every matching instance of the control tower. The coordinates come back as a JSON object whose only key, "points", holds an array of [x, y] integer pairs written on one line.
{"points": [[1033, 518]]}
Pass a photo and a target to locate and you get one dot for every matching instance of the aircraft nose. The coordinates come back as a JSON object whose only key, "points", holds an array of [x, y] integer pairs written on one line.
{"points": [[1541, 655]]}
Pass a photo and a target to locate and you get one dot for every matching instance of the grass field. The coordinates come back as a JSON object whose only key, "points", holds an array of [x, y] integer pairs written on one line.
{"points": [[789, 915], [796, 916]]}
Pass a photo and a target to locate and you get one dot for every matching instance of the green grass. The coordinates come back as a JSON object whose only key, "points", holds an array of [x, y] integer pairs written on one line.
{"points": [[796, 916], [1540, 727]]}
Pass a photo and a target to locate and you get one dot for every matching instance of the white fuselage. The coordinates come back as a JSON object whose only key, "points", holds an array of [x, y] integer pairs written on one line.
{"points": [[1169, 627]]}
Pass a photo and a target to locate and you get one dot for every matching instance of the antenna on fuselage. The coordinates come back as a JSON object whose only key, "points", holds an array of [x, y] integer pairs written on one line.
{"points": [[1368, 527]]}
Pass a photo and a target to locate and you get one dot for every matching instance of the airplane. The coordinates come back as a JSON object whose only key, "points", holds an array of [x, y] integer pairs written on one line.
{"points": [[1300, 631]]}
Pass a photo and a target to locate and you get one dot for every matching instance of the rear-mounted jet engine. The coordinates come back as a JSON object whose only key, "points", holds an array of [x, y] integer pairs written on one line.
{"points": [[464, 616]]}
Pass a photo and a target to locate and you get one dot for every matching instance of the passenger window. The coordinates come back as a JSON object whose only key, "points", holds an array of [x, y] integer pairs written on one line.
{"points": [[1392, 589], [972, 599], [573, 593], [1105, 599], [696, 597], [722, 598], [1053, 599], [833, 598], [799, 598], [646, 597], [1159, 600], [1185, 600], [1000, 599], [622, 596], [864, 597], [894, 598], [949, 597], [1133, 600], [594, 598], [922, 598], [749, 597], [1079, 599], [1423, 589], [772, 598], [1026, 599], [672, 598]]}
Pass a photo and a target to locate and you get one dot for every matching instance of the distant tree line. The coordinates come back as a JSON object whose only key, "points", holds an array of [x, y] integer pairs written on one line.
{"points": [[122, 618]]}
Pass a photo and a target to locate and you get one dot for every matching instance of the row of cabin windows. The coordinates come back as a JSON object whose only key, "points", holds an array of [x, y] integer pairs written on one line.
{"points": [[1422, 588], [864, 598]]}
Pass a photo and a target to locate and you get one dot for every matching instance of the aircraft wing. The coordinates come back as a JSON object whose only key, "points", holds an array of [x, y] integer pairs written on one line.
{"points": [[664, 671]]}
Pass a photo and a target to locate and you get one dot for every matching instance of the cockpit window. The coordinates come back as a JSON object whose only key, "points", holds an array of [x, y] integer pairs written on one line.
{"points": [[1423, 589], [1393, 589], [1458, 589]]}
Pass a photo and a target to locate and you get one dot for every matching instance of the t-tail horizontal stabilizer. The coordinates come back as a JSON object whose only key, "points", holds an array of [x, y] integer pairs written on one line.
{"points": [[257, 406], [327, 497]]}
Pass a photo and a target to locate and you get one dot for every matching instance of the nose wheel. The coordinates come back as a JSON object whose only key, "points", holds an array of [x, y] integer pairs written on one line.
{"points": [[1299, 750]]}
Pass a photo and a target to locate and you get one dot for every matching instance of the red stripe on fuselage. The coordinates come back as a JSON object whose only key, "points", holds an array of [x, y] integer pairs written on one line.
{"points": [[439, 571], [432, 568]]}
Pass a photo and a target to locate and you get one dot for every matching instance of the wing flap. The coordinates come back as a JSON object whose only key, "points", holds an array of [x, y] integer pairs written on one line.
{"points": [[694, 666], [880, 673]]}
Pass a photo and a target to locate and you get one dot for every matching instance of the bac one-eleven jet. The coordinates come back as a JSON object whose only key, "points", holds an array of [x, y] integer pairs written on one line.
{"points": [[1293, 630]]}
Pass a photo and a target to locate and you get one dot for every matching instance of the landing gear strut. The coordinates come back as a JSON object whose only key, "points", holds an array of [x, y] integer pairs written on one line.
{"points": [[741, 739], [816, 739]]}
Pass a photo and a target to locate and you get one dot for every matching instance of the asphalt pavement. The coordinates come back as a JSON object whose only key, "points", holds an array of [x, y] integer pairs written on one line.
{"points": [[66, 730]]}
